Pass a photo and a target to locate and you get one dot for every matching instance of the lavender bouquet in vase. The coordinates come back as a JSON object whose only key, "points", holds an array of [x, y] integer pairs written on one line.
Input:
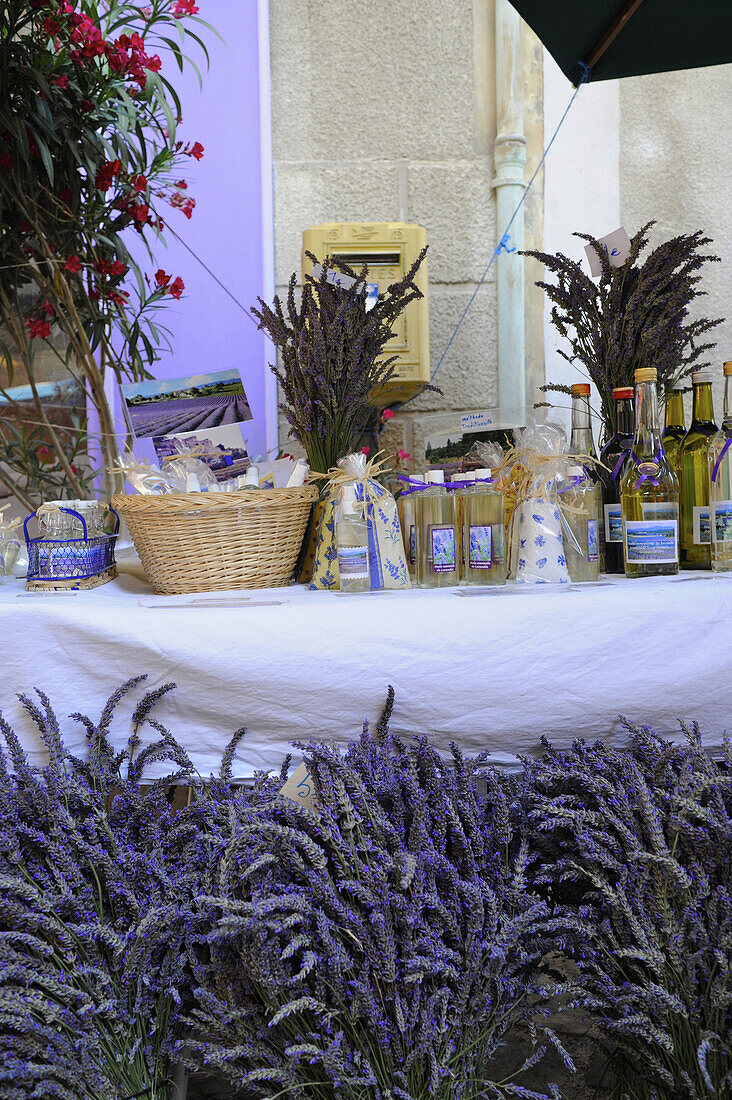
{"points": [[633, 316]]}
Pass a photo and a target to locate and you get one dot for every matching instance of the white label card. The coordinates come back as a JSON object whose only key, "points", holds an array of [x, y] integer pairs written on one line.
{"points": [[300, 787], [700, 525], [616, 246]]}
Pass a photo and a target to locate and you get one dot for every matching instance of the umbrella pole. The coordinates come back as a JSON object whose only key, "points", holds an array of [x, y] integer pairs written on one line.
{"points": [[608, 37]]}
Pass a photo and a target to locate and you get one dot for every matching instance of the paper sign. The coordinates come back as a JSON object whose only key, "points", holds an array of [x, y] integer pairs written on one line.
{"points": [[616, 246], [475, 422], [300, 787]]}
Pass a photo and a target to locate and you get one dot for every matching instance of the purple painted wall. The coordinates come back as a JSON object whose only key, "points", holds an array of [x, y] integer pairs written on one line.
{"points": [[208, 330]]}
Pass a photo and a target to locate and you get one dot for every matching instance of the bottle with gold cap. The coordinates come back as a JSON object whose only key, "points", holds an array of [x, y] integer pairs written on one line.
{"points": [[674, 427], [694, 451], [720, 479], [649, 491]]}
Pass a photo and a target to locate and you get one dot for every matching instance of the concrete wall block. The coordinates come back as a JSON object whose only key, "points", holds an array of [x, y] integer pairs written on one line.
{"points": [[310, 195], [468, 376], [372, 78], [455, 203]]}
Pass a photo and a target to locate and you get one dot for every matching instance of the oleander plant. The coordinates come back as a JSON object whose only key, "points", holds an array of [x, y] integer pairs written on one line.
{"points": [[90, 160]]}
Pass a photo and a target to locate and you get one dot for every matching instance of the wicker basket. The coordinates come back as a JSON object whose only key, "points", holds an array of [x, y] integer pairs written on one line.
{"points": [[203, 542]]}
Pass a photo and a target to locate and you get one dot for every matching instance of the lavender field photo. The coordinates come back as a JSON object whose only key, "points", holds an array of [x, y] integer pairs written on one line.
{"points": [[200, 401]]}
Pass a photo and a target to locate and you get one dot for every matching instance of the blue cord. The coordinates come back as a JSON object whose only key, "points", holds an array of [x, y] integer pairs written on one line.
{"points": [[505, 239]]}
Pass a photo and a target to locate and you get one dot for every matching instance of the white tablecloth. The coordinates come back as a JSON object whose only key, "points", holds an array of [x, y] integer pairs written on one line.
{"points": [[488, 668]]}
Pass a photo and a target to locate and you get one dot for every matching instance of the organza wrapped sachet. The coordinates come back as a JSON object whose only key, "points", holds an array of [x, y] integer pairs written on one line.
{"points": [[387, 561]]}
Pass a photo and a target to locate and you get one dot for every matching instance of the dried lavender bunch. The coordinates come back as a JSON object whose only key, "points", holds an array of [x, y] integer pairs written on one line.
{"points": [[633, 316], [380, 948], [98, 877], [644, 838], [332, 356]]}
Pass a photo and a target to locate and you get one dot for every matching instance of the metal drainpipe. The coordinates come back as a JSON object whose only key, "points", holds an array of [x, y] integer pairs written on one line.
{"points": [[509, 159]]}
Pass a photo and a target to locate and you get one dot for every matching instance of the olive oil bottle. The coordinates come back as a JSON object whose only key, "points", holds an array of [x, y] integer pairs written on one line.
{"points": [[613, 457], [720, 476], [482, 538], [674, 427], [407, 507], [694, 452], [437, 540], [649, 491]]}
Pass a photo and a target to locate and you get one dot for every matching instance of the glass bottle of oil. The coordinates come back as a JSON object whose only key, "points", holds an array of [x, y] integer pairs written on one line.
{"points": [[720, 476], [482, 535], [437, 562], [613, 456], [695, 538], [407, 506], [582, 443], [352, 543], [649, 491], [674, 428]]}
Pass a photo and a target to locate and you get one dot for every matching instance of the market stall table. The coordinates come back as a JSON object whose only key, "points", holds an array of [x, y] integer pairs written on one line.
{"points": [[488, 668]]}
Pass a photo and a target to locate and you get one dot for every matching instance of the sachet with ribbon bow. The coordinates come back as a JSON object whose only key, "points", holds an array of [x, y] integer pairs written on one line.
{"points": [[534, 475], [387, 561]]}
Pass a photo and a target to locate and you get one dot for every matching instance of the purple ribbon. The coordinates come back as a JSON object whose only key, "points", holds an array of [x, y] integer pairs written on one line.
{"points": [[625, 446], [419, 485], [718, 463], [646, 477], [574, 481]]}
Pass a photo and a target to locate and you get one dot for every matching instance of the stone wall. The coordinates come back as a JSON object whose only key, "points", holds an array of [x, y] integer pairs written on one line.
{"points": [[386, 111], [676, 167]]}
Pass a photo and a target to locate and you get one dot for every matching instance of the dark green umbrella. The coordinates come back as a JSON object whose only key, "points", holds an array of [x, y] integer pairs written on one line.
{"points": [[612, 38]]}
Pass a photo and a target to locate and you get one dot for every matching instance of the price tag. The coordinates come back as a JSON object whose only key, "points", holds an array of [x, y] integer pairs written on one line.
{"points": [[300, 787], [615, 245]]}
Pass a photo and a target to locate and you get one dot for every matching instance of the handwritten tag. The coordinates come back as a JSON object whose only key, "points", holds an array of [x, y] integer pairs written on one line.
{"points": [[616, 246], [300, 787], [475, 422]]}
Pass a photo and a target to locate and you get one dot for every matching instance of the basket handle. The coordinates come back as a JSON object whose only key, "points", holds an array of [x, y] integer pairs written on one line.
{"points": [[69, 512]]}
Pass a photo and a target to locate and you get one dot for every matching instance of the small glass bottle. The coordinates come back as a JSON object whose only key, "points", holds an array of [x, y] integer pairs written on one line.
{"points": [[720, 477], [352, 543], [613, 456], [649, 491], [694, 452], [581, 510], [582, 443], [407, 506], [482, 532], [674, 428], [437, 563]]}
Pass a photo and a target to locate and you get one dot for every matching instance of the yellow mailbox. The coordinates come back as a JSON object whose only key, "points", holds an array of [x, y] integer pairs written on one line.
{"points": [[388, 249]]}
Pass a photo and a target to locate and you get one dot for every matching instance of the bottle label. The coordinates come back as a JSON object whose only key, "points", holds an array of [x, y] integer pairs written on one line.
{"points": [[652, 541], [702, 531], [412, 545], [353, 561], [593, 550], [723, 521], [499, 544], [480, 554], [443, 549], [613, 523]]}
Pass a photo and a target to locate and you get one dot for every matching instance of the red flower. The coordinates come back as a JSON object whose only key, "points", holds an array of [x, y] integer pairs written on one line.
{"points": [[176, 288], [105, 176], [87, 105], [184, 7], [6, 161], [43, 452], [47, 308], [387, 414], [139, 183], [38, 328], [196, 150], [51, 26], [119, 297], [73, 264], [153, 63], [161, 279], [116, 268], [61, 81], [139, 214], [403, 456], [181, 184], [365, 450]]}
